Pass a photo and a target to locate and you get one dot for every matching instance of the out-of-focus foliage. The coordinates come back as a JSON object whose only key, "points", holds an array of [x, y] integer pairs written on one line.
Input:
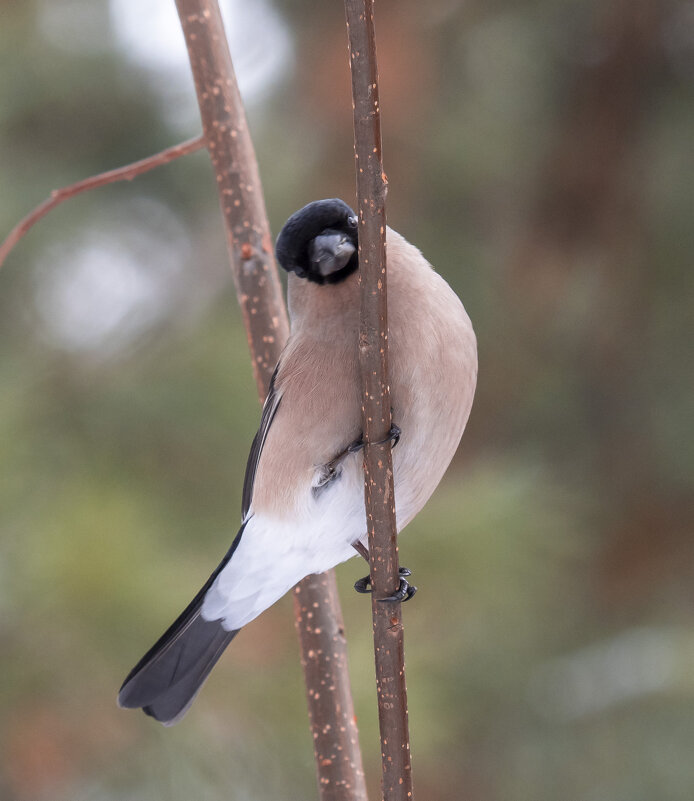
{"points": [[541, 156]]}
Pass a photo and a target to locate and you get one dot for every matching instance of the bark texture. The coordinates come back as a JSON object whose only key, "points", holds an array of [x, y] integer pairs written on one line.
{"points": [[238, 183], [331, 710], [317, 609], [376, 411]]}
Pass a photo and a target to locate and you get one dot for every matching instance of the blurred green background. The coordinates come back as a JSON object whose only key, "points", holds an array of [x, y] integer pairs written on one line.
{"points": [[540, 154]]}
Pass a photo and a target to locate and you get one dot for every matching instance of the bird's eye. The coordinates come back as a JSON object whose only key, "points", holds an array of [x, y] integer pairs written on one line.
{"points": [[352, 222]]}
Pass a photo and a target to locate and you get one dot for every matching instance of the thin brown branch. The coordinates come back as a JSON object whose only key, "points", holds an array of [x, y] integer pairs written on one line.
{"points": [[330, 706], [126, 173], [323, 646], [238, 182], [378, 466]]}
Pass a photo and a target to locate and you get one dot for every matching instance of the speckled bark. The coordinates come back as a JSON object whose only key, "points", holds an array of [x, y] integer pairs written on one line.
{"points": [[317, 607], [238, 183], [331, 711], [378, 466]]}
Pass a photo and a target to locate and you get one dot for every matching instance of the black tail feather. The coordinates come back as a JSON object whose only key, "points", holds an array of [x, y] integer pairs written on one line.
{"points": [[169, 676], [170, 706], [166, 685]]}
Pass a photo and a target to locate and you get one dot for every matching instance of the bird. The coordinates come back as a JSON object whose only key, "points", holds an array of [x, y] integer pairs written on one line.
{"points": [[303, 495]]}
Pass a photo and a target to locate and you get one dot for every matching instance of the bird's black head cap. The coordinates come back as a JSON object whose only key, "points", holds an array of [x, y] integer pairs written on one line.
{"points": [[319, 242]]}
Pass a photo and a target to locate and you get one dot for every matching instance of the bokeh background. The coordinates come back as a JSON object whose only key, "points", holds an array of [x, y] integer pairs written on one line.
{"points": [[541, 155]]}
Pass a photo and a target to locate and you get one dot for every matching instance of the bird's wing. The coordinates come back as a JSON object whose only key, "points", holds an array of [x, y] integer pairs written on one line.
{"points": [[270, 407]]}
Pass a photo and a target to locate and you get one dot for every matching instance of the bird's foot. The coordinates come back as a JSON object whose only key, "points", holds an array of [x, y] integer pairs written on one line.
{"points": [[393, 436], [358, 444], [404, 592]]}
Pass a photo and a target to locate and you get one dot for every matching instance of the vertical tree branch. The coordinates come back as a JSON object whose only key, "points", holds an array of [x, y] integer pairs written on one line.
{"points": [[373, 354], [330, 707], [317, 608], [238, 182]]}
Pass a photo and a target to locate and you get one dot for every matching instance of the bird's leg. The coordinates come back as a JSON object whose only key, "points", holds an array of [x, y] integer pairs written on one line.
{"points": [[404, 592], [352, 448], [329, 471]]}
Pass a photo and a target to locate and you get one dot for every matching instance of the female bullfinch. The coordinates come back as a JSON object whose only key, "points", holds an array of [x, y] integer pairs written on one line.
{"points": [[303, 496]]}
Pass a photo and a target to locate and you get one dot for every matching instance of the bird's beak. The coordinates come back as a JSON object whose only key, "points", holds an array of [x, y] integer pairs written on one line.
{"points": [[331, 252]]}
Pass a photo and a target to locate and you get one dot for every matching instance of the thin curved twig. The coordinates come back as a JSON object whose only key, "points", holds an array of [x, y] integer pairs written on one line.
{"points": [[126, 173]]}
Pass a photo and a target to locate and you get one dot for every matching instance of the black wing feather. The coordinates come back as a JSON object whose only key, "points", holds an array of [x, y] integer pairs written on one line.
{"points": [[169, 676], [270, 407]]}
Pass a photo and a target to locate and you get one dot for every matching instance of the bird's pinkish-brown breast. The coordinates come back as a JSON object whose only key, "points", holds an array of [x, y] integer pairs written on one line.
{"points": [[432, 372]]}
